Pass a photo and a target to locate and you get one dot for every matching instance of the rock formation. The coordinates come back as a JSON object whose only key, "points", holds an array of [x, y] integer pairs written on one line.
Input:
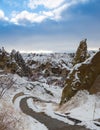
{"points": [[81, 77], [23, 70], [13, 63], [81, 53], [5, 61]]}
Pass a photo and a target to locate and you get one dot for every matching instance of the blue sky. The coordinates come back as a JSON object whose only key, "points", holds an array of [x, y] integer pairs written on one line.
{"points": [[49, 25]]}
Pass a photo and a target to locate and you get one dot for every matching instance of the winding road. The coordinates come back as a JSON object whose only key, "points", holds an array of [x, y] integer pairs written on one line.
{"points": [[50, 123]]}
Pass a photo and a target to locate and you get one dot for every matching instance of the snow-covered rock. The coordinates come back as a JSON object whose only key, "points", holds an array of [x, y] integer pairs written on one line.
{"points": [[82, 76]]}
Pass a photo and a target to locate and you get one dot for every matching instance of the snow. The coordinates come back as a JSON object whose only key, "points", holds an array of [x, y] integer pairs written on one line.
{"points": [[88, 110], [13, 110], [85, 108], [16, 103], [24, 121], [82, 106], [47, 108], [16, 120], [34, 107], [36, 125], [55, 59]]}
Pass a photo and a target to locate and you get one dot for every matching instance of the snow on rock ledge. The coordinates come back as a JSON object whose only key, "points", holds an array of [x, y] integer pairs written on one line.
{"points": [[81, 77]]}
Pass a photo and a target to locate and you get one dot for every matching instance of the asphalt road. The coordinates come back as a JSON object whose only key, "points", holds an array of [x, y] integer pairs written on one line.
{"points": [[50, 123]]}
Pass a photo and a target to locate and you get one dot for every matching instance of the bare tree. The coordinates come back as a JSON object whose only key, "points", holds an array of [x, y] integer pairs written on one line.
{"points": [[6, 82]]}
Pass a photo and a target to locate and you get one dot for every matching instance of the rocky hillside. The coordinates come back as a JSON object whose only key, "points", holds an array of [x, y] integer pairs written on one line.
{"points": [[36, 83], [53, 67], [71, 71], [82, 76], [13, 63]]}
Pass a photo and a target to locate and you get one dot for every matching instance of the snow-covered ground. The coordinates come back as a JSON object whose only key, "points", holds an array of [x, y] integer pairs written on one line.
{"points": [[46, 97], [53, 58], [12, 116], [14, 119], [83, 106]]}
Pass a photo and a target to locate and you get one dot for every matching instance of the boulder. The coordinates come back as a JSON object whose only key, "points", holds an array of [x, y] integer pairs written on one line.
{"points": [[81, 77]]}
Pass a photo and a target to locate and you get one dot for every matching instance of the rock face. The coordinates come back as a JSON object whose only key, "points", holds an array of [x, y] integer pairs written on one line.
{"points": [[81, 77], [13, 63], [57, 64], [23, 69], [96, 86], [81, 53], [6, 63]]}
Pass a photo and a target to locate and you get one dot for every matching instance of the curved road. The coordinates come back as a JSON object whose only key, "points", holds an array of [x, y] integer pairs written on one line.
{"points": [[50, 123]]}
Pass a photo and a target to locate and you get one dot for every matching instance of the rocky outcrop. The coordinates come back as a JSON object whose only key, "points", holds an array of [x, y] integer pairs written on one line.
{"points": [[81, 77], [49, 69], [81, 53], [6, 63], [23, 70], [13, 63]]}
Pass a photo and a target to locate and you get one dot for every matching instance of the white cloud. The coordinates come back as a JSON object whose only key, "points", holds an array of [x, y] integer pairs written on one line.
{"points": [[26, 16], [2, 16], [50, 4], [55, 9], [56, 13]]}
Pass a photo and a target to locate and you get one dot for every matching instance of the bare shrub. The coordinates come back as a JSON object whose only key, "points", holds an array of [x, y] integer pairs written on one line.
{"points": [[6, 124], [6, 82], [10, 119]]}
